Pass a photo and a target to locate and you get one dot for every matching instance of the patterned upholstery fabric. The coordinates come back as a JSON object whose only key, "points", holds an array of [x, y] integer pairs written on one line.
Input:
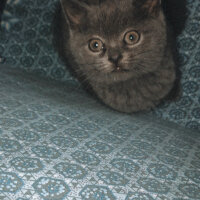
{"points": [[186, 111], [58, 143], [25, 42], [26, 35]]}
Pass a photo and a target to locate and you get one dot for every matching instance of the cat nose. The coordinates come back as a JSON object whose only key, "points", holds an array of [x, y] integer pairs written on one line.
{"points": [[115, 58]]}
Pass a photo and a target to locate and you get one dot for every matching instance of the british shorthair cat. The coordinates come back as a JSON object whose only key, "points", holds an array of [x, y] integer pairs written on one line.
{"points": [[121, 49]]}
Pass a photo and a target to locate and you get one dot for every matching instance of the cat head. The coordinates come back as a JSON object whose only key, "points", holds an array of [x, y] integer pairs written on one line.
{"points": [[115, 40]]}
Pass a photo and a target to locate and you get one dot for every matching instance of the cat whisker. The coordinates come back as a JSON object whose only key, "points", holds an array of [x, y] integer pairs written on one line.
{"points": [[83, 74], [138, 68], [104, 67], [146, 59], [142, 67], [90, 63], [136, 62], [143, 60], [83, 81], [140, 53]]}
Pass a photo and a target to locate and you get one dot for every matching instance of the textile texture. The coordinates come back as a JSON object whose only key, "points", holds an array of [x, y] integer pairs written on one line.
{"points": [[58, 143]]}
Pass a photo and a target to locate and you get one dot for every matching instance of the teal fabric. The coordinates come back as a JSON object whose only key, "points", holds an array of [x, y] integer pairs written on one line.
{"points": [[58, 143], [26, 38], [186, 110], [26, 42]]}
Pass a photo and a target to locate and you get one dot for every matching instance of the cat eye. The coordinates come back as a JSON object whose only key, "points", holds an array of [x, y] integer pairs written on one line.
{"points": [[96, 45], [131, 37]]}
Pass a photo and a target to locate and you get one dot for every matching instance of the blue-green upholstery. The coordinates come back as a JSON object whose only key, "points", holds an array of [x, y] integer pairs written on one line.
{"points": [[59, 143], [56, 142]]}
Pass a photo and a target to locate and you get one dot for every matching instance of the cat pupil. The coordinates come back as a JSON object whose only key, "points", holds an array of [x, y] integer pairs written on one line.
{"points": [[96, 45], [131, 37]]}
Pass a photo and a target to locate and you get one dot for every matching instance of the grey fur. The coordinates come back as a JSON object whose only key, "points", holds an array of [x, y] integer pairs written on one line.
{"points": [[147, 69]]}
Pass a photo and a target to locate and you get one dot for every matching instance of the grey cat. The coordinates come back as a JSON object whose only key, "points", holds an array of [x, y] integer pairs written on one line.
{"points": [[121, 49]]}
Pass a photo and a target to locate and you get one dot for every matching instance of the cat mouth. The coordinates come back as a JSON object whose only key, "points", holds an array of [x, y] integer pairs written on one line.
{"points": [[119, 69]]}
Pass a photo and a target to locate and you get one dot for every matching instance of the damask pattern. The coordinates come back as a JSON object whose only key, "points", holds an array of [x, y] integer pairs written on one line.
{"points": [[26, 38], [57, 143], [186, 110], [26, 42]]}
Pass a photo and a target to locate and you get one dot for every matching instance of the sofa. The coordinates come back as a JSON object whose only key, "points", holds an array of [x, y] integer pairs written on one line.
{"points": [[59, 142]]}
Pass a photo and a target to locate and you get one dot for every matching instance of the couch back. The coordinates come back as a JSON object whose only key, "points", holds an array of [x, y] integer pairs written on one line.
{"points": [[26, 42]]}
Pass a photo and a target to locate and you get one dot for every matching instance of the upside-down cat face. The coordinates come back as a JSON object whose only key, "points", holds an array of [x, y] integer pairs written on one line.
{"points": [[116, 40]]}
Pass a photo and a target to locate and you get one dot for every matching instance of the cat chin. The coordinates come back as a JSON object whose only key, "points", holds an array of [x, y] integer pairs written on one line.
{"points": [[112, 77]]}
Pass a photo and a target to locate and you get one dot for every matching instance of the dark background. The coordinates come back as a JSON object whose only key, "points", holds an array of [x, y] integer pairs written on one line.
{"points": [[176, 13], [2, 5]]}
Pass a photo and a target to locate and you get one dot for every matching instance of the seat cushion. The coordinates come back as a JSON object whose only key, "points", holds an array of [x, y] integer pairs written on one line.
{"points": [[57, 142]]}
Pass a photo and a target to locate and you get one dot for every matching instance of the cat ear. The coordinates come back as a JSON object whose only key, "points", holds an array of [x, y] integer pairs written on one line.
{"points": [[75, 12], [152, 7]]}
